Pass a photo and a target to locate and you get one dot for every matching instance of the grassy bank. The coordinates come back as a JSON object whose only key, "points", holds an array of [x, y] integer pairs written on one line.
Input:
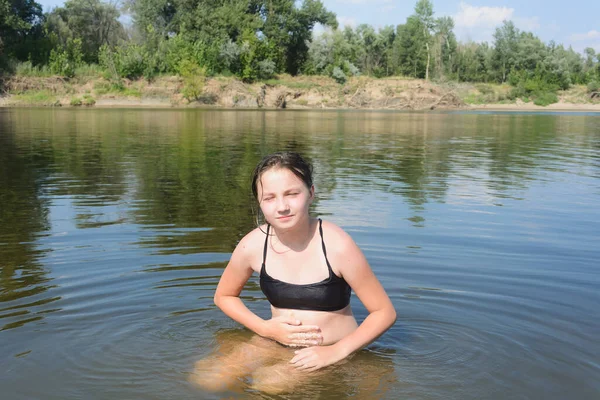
{"points": [[30, 87]]}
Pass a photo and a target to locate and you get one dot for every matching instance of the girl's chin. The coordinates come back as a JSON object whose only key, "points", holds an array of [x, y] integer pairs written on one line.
{"points": [[283, 222]]}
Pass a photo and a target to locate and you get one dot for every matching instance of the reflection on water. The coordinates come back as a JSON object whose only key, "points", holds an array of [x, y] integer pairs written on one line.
{"points": [[115, 226]]}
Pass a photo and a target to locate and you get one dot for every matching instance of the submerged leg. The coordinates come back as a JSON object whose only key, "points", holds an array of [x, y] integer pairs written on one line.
{"points": [[231, 363], [279, 378]]}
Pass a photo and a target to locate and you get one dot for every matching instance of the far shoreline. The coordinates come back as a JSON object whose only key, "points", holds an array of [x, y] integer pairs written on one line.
{"points": [[164, 104], [285, 92]]}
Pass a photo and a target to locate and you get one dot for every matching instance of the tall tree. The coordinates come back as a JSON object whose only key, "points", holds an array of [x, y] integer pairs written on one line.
{"points": [[505, 47], [17, 20], [424, 14], [445, 44], [94, 22], [289, 27]]}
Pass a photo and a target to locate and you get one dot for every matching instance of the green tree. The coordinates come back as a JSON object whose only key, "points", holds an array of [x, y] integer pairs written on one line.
{"points": [[328, 50], [424, 14], [530, 52], [18, 20], [590, 71], [93, 22], [505, 48], [410, 57], [288, 29], [444, 45]]}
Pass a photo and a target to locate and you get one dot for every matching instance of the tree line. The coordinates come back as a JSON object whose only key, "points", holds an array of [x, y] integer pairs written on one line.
{"points": [[256, 39]]}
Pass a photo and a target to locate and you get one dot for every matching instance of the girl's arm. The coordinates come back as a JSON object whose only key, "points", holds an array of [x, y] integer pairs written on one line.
{"points": [[235, 276], [354, 268]]}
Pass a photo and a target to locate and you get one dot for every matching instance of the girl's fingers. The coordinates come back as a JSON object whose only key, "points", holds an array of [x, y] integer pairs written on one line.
{"points": [[300, 356], [305, 335], [305, 343], [307, 368]]}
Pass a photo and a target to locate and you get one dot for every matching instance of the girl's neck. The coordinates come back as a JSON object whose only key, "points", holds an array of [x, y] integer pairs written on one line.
{"points": [[299, 237]]}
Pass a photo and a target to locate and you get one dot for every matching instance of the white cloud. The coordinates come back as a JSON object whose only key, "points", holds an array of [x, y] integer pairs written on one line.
{"points": [[591, 35], [471, 16], [588, 39], [479, 23]]}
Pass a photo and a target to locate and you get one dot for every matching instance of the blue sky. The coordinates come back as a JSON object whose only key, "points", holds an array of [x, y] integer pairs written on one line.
{"points": [[574, 22]]}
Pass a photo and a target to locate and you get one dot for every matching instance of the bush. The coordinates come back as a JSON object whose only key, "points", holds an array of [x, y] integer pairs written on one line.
{"points": [[266, 69], [37, 98], [88, 100], [352, 69], [339, 75], [75, 101], [193, 77], [128, 61], [89, 70], [131, 61], [516, 92], [545, 98], [229, 54], [28, 69], [484, 89], [65, 61], [593, 86]]}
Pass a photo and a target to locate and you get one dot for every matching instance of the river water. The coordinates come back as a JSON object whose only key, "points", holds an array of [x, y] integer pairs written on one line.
{"points": [[484, 229]]}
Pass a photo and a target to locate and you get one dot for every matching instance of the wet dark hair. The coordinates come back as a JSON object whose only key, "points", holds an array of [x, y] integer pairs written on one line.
{"points": [[288, 160]]}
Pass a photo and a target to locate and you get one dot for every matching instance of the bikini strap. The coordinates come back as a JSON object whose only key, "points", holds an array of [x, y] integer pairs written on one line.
{"points": [[331, 274], [266, 244]]}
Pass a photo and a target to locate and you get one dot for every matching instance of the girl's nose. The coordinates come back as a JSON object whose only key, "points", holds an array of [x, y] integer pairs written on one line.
{"points": [[282, 205]]}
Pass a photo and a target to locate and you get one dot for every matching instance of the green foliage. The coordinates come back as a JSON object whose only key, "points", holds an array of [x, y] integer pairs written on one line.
{"points": [[37, 98], [339, 75], [65, 61], [485, 89], [89, 71], [193, 77], [128, 61], [255, 40], [116, 87], [94, 23], [593, 86], [545, 98], [88, 100], [266, 69], [75, 102], [250, 47], [541, 92], [505, 48], [28, 69], [17, 27]]}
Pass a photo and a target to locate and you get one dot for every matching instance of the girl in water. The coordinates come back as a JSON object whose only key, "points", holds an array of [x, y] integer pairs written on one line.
{"points": [[307, 269]]}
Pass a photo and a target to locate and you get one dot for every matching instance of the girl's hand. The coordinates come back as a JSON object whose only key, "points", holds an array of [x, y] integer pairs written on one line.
{"points": [[290, 332], [313, 358]]}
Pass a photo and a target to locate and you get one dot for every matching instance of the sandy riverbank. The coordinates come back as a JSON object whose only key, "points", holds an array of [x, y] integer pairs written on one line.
{"points": [[286, 92]]}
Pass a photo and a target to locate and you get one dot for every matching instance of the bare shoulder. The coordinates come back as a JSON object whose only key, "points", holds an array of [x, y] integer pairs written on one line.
{"points": [[253, 238], [342, 252], [336, 238], [249, 250]]}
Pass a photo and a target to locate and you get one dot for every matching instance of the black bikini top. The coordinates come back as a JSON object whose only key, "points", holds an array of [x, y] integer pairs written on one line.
{"points": [[331, 294]]}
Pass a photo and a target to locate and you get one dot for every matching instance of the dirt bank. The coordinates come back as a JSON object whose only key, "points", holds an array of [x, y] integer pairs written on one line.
{"points": [[284, 92]]}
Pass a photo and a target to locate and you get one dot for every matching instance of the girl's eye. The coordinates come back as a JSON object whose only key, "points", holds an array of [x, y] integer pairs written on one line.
{"points": [[268, 199], [292, 194]]}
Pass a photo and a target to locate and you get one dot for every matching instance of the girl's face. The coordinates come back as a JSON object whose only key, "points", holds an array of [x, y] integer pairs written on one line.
{"points": [[283, 197]]}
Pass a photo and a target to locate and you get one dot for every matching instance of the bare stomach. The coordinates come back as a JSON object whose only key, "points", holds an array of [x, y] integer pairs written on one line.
{"points": [[335, 325]]}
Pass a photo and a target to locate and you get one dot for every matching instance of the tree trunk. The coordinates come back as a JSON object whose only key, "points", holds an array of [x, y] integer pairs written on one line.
{"points": [[427, 69]]}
